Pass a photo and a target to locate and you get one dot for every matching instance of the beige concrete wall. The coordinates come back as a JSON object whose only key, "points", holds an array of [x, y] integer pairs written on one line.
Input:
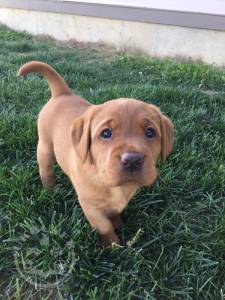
{"points": [[153, 39]]}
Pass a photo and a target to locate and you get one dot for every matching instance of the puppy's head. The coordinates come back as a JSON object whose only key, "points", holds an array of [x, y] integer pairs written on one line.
{"points": [[123, 139]]}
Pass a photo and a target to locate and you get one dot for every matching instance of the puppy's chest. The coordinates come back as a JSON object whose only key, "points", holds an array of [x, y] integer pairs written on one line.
{"points": [[119, 198]]}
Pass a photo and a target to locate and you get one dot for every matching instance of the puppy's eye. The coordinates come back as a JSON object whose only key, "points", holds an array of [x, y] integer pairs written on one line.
{"points": [[106, 134], [150, 132]]}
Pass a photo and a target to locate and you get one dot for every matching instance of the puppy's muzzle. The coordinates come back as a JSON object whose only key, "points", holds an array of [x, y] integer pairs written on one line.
{"points": [[132, 161]]}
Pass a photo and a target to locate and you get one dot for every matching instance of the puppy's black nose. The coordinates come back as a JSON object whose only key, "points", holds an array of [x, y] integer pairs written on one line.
{"points": [[132, 161]]}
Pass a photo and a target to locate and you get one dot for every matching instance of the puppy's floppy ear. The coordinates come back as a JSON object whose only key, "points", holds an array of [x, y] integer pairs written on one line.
{"points": [[81, 133], [167, 136]]}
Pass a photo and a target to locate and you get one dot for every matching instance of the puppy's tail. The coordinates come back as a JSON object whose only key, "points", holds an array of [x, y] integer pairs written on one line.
{"points": [[56, 83]]}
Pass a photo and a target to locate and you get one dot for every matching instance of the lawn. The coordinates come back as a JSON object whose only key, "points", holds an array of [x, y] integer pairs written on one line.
{"points": [[174, 236]]}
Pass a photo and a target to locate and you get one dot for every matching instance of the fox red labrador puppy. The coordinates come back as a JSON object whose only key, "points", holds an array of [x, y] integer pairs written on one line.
{"points": [[108, 151]]}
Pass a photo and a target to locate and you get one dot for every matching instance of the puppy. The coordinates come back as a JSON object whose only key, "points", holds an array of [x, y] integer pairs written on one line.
{"points": [[108, 151]]}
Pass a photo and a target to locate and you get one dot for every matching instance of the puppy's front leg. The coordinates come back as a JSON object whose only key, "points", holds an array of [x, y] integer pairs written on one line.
{"points": [[103, 224]]}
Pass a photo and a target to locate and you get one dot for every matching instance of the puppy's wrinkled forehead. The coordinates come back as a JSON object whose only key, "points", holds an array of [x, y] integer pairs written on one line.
{"points": [[126, 112]]}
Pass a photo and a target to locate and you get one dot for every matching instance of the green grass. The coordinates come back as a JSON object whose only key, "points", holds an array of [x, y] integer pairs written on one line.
{"points": [[175, 230]]}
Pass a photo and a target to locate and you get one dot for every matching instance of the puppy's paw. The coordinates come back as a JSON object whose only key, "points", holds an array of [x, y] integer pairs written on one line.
{"points": [[106, 240]]}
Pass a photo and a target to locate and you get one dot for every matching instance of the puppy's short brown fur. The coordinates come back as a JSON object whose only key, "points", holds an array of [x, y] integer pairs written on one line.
{"points": [[108, 150]]}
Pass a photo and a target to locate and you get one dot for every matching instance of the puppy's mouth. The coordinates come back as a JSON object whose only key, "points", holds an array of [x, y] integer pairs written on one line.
{"points": [[134, 177], [137, 173], [121, 178], [138, 177], [130, 182]]}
